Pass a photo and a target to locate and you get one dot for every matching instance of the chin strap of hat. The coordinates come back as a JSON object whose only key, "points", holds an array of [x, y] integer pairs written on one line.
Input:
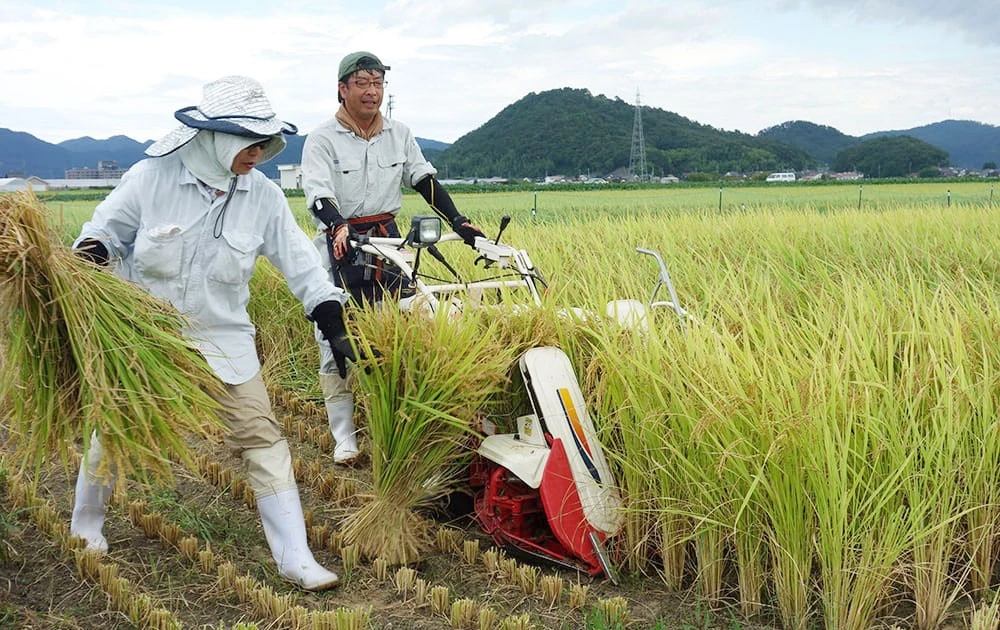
{"points": [[220, 220]]}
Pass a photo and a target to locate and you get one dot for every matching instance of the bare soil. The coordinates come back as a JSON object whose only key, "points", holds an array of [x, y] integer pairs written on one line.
{"points": [[42, 584]]}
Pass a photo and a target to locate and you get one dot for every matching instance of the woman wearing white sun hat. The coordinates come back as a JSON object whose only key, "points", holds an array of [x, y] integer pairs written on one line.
{"points": [[188, 225]]}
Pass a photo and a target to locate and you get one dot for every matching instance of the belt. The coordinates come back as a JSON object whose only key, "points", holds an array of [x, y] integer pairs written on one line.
{"points": [[376, 222], [373, 225]]}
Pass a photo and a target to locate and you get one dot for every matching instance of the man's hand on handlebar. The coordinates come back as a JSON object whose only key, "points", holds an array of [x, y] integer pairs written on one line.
{"points": [[345, 240]]}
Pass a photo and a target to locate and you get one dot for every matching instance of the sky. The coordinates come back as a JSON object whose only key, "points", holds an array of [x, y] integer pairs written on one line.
{"points": [[73, 69]]}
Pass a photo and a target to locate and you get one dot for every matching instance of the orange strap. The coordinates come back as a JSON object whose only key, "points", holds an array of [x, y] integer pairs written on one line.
{"points": [[374, 223], [373, 220]]}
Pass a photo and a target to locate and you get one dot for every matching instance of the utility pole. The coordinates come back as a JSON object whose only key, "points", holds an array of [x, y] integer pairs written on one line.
{"points": [[388, 107], [637, 157]]}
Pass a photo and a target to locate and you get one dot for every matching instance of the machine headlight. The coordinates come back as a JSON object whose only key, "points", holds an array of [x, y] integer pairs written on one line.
{"points": [[425, 231]]}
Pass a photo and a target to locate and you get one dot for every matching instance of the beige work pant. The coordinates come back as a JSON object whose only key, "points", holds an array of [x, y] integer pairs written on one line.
{"points": [[255, 435]]}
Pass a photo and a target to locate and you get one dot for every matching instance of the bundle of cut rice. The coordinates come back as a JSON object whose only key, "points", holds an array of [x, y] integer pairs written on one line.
{"points": [[436, 380], [87, 352]]}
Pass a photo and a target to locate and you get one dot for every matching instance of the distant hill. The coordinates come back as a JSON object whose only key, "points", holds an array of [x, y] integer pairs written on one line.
{"points": [[968, 144], [891, 156], [822, 143], [565, 132], [570, 132], [114, 144], [22, 152]]}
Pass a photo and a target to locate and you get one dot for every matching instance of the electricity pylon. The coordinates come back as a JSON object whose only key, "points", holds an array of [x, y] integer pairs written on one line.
{"points": [[637, 158]]}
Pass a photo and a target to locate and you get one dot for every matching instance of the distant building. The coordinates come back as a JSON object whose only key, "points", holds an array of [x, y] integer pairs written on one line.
{"points": [[66, 184], [106, 169], [13, 184], [781, 177], [290, 176]]}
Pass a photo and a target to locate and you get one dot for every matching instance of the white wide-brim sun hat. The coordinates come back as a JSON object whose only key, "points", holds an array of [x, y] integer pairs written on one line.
{"points": [[235, 105]]}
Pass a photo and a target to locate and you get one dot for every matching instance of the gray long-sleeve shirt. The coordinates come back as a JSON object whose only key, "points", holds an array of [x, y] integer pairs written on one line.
{"points": [[362, 177], [163, 227]]}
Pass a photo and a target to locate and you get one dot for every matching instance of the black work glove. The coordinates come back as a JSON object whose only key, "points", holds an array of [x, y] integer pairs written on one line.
{"points": [[93, 250], [329, 318], [467, 232]]}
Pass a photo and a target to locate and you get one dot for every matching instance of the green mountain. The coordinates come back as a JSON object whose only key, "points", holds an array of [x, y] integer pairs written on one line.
{"points": [[571, 132], [24, 154], [822, 143], [567, 132], [890, 156], [968, 144]]}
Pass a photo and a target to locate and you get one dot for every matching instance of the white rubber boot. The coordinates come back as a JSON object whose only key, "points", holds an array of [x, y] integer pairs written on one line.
{"points": [[90, 501], [340, 411], [285, 530]]}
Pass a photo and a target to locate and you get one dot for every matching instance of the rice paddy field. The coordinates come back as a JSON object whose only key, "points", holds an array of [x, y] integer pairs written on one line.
{"points": [[815, 445]]}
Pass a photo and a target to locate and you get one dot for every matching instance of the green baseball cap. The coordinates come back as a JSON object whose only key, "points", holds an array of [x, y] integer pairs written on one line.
{"points": [[359, 60]]}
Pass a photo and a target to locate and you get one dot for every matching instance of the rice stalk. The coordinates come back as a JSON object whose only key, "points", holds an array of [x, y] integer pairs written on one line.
{"points": [[92, 354], [986, 616], [977, 384], [857, 466], [286, 344], [934, 490], [423, 399]]}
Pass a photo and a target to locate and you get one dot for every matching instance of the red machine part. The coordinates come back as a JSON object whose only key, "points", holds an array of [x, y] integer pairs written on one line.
{"points": [[561, 502], [514, 514]]}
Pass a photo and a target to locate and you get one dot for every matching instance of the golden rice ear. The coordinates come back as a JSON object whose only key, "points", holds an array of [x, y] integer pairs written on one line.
{"points": [[80, 338], [463, 368]]}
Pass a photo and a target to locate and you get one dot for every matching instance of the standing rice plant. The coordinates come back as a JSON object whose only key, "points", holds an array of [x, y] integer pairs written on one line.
{"points": [[698, 420], [977, 383], [857, 466], [790, 524], [746, 381], [623, 379], [422, 399], [90, 353], [666, 426], [286, 345], [930, 370]]}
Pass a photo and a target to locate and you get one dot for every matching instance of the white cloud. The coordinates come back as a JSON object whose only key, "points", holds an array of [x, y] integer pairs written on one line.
{"points": [[857, 65], [974, 21]]}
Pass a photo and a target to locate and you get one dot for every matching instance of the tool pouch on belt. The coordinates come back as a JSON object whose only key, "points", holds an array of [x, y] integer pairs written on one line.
{"points": [[366, 276]]}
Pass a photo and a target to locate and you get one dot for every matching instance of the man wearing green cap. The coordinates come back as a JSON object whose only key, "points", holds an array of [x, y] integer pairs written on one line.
{"points": [[353, 168]]}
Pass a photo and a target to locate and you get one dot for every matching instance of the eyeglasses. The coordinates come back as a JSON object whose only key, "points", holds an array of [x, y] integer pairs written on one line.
{"points": [[364, 84]]}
